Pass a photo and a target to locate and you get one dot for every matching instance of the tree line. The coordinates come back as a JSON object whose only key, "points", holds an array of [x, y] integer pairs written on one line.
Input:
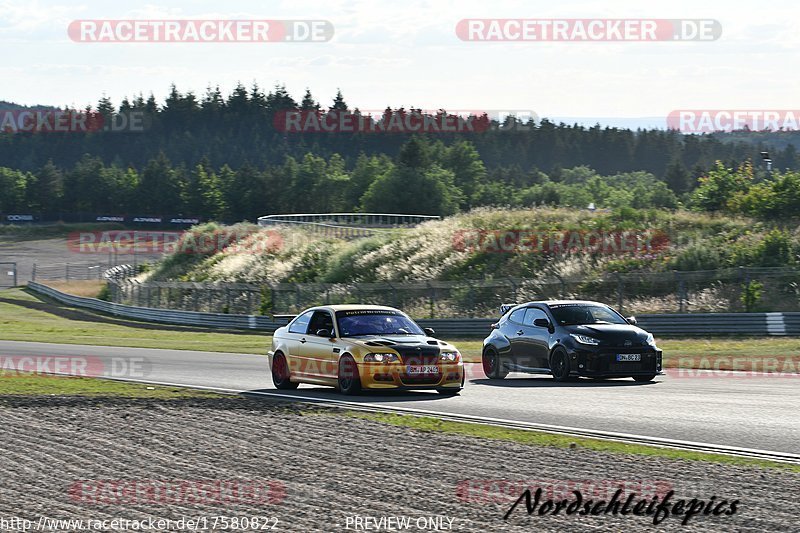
{"points": [[425, 178], [223, 158]]}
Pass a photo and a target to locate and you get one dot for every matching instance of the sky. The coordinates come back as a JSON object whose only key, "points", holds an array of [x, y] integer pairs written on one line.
{"points": [[408, 54]]}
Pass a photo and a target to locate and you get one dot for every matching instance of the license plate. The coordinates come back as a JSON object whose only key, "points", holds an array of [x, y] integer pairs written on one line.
{"points": [[621, 357], [431, 369]]}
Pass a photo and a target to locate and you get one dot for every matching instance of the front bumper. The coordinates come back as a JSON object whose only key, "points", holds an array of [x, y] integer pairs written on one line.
{"points": [[602, 362], [395, 376]]}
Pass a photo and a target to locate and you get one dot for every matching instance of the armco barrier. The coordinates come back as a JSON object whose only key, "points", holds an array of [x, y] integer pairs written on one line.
{"points": [[167, 316], [696, 324]]}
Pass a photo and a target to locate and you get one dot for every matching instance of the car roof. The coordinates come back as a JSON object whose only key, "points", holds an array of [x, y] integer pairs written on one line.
{"points": [[562, 302], [355, 307]]}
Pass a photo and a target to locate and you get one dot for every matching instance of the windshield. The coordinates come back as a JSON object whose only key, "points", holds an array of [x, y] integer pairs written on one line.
{"points": [[359, 323], [575, 314]]}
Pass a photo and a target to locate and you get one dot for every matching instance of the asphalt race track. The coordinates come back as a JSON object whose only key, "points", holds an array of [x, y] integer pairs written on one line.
{"points": [[759, 412]]}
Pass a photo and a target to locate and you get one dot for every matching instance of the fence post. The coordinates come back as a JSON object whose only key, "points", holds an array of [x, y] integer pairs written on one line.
{"points": [[620, 295], [33, 273], [745, 297], [431, 299], [681, 287], [66, 271], [15, 274]]}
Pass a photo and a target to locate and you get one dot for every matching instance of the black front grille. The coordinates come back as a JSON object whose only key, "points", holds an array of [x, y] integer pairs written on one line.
{"points": [[422, 379], [418, 355], [607, 362], [630, 366]]}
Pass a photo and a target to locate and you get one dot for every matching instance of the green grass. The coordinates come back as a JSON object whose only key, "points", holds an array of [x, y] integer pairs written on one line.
{"points": [[537, 438], [18, 323], [42, 385]]}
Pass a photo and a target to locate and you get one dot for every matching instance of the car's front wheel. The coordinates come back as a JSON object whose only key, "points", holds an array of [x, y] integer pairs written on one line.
{"points": [[649, 377], [492, 366], [280, 373], [559, 366], [349, 380]]}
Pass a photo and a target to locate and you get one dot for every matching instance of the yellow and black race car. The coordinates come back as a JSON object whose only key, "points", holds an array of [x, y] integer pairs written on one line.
{"points": [[356, 347]]}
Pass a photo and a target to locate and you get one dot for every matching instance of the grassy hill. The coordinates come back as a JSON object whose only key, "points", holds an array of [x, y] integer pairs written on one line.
{"points": [[461, 248]]}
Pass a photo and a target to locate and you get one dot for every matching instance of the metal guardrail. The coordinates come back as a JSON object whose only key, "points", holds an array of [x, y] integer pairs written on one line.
{"points": [[166, 316], [697, 324], [346, 225], [348, 219]]}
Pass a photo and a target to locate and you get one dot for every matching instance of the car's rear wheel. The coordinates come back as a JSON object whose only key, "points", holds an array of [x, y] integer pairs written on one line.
{"points": [[349, 380], [280, 373], [649, 377], [492, 366], [559, 366]]}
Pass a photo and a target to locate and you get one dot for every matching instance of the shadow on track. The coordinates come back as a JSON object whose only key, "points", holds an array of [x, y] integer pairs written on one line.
{"points": [[548, 382], [367, 397]]}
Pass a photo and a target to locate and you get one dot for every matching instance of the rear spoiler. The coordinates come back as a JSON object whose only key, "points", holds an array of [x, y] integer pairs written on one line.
{"points": [[505, 308], [287, 318]]}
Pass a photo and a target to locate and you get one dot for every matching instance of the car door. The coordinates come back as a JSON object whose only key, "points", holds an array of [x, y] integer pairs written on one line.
{"points": [[537, 338], [296, 338], [321, 353], [514, 331]]}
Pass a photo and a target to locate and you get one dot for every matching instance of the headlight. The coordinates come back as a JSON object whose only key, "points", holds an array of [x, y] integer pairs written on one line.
{"points": [[583, 339], [650, 340], [381, 358], [450, 357]]}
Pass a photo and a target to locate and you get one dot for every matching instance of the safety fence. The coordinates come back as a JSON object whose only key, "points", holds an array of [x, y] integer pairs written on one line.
{"points": [[345, 225], [69, 271], [761, 324], [720, 291]]}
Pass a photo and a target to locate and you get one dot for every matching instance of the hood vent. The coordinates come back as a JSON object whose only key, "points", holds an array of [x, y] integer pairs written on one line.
{"points": [[380, 343]]}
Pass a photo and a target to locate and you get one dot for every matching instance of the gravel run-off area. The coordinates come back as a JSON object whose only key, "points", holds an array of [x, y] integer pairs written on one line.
{"points": [[291, 468]]}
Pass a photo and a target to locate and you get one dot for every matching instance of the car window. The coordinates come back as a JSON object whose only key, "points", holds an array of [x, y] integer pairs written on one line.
{"points": [[320, 320], [375, 322], [300, 325], [517, 316], [572, 314], [531, 314]]}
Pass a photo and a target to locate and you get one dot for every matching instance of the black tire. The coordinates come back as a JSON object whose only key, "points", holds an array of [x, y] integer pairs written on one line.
{"points": [[349, 380], [559, 366], [642, 379], [280, 373], [449, 392], [492, 365]]}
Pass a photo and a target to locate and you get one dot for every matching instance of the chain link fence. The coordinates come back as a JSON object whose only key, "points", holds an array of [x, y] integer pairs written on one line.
{"points": [[730, 290], [69, 271]]}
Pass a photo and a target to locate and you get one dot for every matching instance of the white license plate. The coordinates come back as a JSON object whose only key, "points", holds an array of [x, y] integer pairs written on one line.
{"points": [[621, 357], [430, 369]]}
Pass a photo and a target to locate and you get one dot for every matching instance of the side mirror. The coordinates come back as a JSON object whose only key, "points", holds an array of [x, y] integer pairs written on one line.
{"points": [[325, 333], [541, 323], [429, 332], [495, 326], [631, 320]]}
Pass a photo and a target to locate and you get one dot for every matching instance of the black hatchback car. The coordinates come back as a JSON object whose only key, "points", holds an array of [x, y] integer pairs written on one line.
{"points": [[569, 339]]}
